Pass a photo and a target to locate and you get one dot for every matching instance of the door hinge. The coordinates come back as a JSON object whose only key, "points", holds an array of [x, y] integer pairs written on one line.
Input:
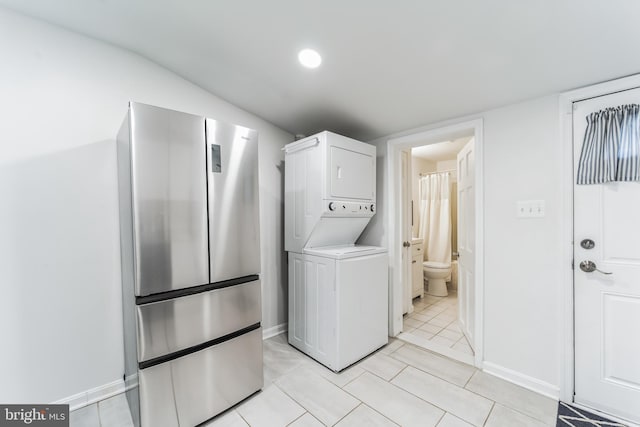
{"points": [[572, 265]]}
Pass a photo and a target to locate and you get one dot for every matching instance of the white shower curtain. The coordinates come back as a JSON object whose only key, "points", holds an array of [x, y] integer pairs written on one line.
{"points": [[434, 227]]}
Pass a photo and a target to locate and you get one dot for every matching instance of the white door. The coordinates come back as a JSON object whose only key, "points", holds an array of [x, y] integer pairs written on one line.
{"points": [[466, 241], [407, 307], [607, 306]]}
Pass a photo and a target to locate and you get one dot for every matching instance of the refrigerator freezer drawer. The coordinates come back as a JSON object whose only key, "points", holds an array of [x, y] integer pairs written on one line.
{"points": [[191, 389], [168, 326]]}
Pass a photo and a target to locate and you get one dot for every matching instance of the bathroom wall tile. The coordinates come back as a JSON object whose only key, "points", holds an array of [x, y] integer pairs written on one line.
{"points": [[270, 408], [323, 399], [462, 403], [383, 366], [394, 403], [451, 421], [85, 417], [442, 367], [502, 416], [528, 402], [365, 416], [229, 419], [307, 420], [115, 412]]}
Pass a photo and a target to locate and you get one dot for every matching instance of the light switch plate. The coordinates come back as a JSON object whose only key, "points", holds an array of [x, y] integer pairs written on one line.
{"points": [[530, 209]]}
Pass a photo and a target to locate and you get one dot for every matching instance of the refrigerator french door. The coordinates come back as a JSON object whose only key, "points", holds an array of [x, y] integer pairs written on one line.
{"points": [[189, 229]]}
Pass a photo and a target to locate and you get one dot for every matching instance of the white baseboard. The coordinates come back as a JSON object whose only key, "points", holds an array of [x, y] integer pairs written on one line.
{"points": [[274, 330], [130, 382], [93, 395], [533, 384]]}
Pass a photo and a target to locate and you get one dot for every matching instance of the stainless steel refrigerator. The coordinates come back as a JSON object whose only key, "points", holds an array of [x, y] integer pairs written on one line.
{"points": [[190, 249]]}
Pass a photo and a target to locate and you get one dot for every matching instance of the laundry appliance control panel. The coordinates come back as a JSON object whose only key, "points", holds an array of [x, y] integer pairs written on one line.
{"points": [[342, 208]]}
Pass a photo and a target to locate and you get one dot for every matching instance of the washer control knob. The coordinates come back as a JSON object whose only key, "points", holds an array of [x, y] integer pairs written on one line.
{"points": [[332, 206], [373, 208]]}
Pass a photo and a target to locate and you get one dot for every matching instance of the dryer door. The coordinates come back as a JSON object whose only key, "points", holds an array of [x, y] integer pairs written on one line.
{"points": [[352, 174]]}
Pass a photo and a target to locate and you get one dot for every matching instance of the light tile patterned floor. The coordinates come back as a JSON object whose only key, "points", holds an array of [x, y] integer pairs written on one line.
{"points": [[435, 319], [401, 384]]}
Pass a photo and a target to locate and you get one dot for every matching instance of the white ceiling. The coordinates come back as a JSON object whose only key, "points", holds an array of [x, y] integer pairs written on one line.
{"points": [[387, 66], [445, 150]]}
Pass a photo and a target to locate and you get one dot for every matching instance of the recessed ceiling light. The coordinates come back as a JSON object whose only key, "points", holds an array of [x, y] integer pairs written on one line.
{"points": [[309, 58]]}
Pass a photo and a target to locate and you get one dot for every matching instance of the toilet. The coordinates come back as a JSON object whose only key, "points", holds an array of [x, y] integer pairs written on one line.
{"points": [[436, 273]]}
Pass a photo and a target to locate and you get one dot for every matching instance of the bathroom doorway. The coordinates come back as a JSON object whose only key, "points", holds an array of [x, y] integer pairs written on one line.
{"points": [[433, 305]]}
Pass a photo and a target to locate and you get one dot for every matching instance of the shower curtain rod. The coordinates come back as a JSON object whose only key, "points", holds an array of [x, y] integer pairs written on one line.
{"points": [[433, 173]]}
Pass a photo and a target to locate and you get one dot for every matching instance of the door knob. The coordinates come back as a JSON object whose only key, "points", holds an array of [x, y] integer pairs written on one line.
{"points": [[590, 267], [406, 244]]}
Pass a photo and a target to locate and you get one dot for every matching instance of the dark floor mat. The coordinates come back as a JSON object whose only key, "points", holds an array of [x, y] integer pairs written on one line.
{"points": [[570, 416]]}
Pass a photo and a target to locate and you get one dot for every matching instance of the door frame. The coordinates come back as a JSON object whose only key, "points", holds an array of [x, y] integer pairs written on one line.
{"points": [[566, 100], [437, 133]]}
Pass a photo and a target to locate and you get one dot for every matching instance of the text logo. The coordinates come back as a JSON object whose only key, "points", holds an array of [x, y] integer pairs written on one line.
{"points": [[34, 415]]}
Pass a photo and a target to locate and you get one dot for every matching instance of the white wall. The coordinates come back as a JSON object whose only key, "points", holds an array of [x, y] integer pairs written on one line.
{"points": [[523, 271], [445, 165], [63, 99]]}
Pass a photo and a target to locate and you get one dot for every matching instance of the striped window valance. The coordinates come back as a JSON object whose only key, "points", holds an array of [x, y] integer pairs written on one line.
{"points": [[611, 146]]}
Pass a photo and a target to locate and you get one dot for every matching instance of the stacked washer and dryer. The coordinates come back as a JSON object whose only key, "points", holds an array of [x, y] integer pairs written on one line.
{"points": [[338, 291]]}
